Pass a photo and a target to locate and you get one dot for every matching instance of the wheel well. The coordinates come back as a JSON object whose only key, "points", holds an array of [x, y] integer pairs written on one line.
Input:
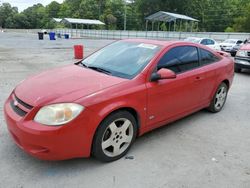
{"points": [[128, 109], [134, 113], [227, 83]]}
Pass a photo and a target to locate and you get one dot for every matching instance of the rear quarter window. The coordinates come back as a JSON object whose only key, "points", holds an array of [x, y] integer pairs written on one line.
{"points": [[207, 57]]}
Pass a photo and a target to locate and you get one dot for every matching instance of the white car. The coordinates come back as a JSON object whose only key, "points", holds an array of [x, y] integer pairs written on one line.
{"points": [[231, 45], [205, 41]]}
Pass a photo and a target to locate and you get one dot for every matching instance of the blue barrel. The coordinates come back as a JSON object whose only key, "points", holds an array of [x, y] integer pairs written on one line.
{"points": [[66, 36], [52, 36]]}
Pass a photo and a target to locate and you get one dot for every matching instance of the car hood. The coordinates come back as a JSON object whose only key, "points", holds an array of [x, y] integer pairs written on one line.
{"points": [[65, 84], [245, 47], [227, 44]]}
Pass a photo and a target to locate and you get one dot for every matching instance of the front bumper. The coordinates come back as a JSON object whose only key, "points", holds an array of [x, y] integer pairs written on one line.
{"points": [[243, 63], [232, 51], [72, 140]]}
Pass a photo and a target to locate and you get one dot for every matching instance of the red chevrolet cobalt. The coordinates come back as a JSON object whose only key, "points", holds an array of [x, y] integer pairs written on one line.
{"points": [[99, 105]]}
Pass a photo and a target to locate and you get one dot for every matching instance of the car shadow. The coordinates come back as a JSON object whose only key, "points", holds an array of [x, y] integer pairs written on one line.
{"points": [[245, 72], [172, 128]]}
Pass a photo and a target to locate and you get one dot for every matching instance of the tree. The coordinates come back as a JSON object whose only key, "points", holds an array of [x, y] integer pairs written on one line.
{"points": [[111, 21], [241, 23], [213, 15], [53, 9], [35, 16], [7, 14]]}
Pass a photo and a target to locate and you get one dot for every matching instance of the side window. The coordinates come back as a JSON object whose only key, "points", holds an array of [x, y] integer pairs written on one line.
{"points": [[180, 59], [204, 42], [210, 42], [207, 57], [239, 42]]}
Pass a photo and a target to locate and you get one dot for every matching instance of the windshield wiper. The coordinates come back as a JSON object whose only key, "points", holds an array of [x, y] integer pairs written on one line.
{"points": [[99, 69], [83, 64]]}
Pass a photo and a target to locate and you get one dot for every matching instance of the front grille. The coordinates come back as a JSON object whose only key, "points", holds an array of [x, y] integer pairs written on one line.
{"points": [[18, 110], [23, 103], [19, 106]]}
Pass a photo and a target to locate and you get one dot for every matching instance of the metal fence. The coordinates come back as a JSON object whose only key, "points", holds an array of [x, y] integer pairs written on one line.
{"points": [[119, 34], [162, 35]]}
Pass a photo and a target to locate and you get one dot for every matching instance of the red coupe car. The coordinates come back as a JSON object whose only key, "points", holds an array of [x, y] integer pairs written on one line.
{"points": [[99, 105]]}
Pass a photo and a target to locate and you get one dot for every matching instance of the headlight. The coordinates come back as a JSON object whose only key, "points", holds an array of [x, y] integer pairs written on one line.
{"points": [[242, 53], [58, 114]]}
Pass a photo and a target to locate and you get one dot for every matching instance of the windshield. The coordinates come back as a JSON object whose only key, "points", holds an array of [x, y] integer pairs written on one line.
{"points": [[230, 41], [122, 59]]}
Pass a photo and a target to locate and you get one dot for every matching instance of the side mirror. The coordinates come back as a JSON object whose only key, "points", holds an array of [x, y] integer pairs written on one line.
{"points": [[163, 74]]}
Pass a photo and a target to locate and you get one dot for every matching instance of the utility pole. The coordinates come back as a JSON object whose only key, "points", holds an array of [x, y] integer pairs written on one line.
{"points": [[125, 12], [100, 8], [125, 15]]}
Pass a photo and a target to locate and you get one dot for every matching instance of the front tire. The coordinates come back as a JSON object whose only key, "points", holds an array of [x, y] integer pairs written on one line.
{"points": [[114, 136], [219, 98]]}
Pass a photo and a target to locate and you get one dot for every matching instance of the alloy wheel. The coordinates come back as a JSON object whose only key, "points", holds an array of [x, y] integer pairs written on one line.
{"points": [[117, 137], [220, 97]]}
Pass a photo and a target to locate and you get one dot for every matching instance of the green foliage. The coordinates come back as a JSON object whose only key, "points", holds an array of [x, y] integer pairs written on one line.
{"points": [[163, 27], [213, 15], [241, 23], [229, 30], [7, 14], [53, 9]]}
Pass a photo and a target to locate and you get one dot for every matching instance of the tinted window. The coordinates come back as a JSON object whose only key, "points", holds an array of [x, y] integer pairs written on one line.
{"points": [[180, 59], [204, 42], [210, 42], [207, 57], [239, 42]]}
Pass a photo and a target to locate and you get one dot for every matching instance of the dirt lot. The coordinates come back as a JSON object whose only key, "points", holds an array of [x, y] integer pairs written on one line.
{"points": [[202, 150]]}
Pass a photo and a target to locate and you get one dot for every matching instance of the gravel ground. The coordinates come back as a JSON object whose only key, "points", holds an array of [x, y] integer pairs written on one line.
{"points": [[202, 150]]}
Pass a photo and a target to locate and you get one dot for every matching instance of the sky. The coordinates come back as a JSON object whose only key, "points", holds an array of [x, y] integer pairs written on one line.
{"points": [[23, 4]]}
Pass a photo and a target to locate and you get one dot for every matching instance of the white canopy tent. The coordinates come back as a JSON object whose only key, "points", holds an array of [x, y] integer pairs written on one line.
{"points": [[169, 17], [74, 22], [58, 20], [82, 22]]}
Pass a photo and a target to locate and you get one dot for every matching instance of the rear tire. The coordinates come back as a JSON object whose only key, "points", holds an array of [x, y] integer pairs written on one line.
{"points": [[114, 136], [219, 98]]}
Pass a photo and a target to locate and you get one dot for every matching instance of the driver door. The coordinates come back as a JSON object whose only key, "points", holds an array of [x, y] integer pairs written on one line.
{"points": [[171, 98]]}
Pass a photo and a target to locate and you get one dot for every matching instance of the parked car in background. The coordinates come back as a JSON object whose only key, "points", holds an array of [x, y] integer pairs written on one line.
{"points": [[99, 105], [231, 46], [242, 58], [205, 41]]}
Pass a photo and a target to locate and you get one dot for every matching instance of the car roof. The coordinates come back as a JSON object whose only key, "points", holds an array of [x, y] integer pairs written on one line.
{"points": [[199, 38], [156, 42], [194, 38], [233, 40], [169, 43]]}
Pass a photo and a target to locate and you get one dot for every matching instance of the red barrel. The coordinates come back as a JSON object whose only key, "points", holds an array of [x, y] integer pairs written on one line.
{"points": [[78, 49]]}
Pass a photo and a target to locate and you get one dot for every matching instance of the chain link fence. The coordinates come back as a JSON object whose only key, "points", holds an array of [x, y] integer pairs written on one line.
{"points": [[120, 34], [161, 35]]}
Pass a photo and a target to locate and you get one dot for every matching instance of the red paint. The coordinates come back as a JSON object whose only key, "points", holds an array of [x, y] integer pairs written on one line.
{"points": [[156, 103], [245, 46], [166, 74]]}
